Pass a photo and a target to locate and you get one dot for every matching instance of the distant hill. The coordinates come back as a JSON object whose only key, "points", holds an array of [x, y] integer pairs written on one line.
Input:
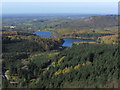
{"points": [[93, 27], [91, 22], [101, 21], [56, 22]]}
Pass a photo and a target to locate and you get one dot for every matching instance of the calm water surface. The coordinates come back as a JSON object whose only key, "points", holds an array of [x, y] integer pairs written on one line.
{"points": [[67, 41], [44, 33]]}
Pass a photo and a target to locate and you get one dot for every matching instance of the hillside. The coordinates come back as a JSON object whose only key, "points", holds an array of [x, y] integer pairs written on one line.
{"points": [[87, 28], [57, 22], [90, 22], [79, 66], [30, 61]]}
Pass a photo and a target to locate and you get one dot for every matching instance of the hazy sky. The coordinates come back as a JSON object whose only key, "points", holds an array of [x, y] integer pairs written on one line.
{"points": [[59, 7], [60, 0]]}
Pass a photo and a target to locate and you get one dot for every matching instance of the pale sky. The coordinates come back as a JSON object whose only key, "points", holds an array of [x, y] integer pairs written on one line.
{"points": [[60, 0], [59, 6]]}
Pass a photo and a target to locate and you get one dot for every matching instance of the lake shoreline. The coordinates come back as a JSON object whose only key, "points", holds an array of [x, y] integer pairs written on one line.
{"points": [[67, 41]]}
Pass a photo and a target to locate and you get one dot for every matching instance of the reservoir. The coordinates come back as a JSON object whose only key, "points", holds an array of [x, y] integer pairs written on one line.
{"points": [[67, 41], [44, 34]]}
